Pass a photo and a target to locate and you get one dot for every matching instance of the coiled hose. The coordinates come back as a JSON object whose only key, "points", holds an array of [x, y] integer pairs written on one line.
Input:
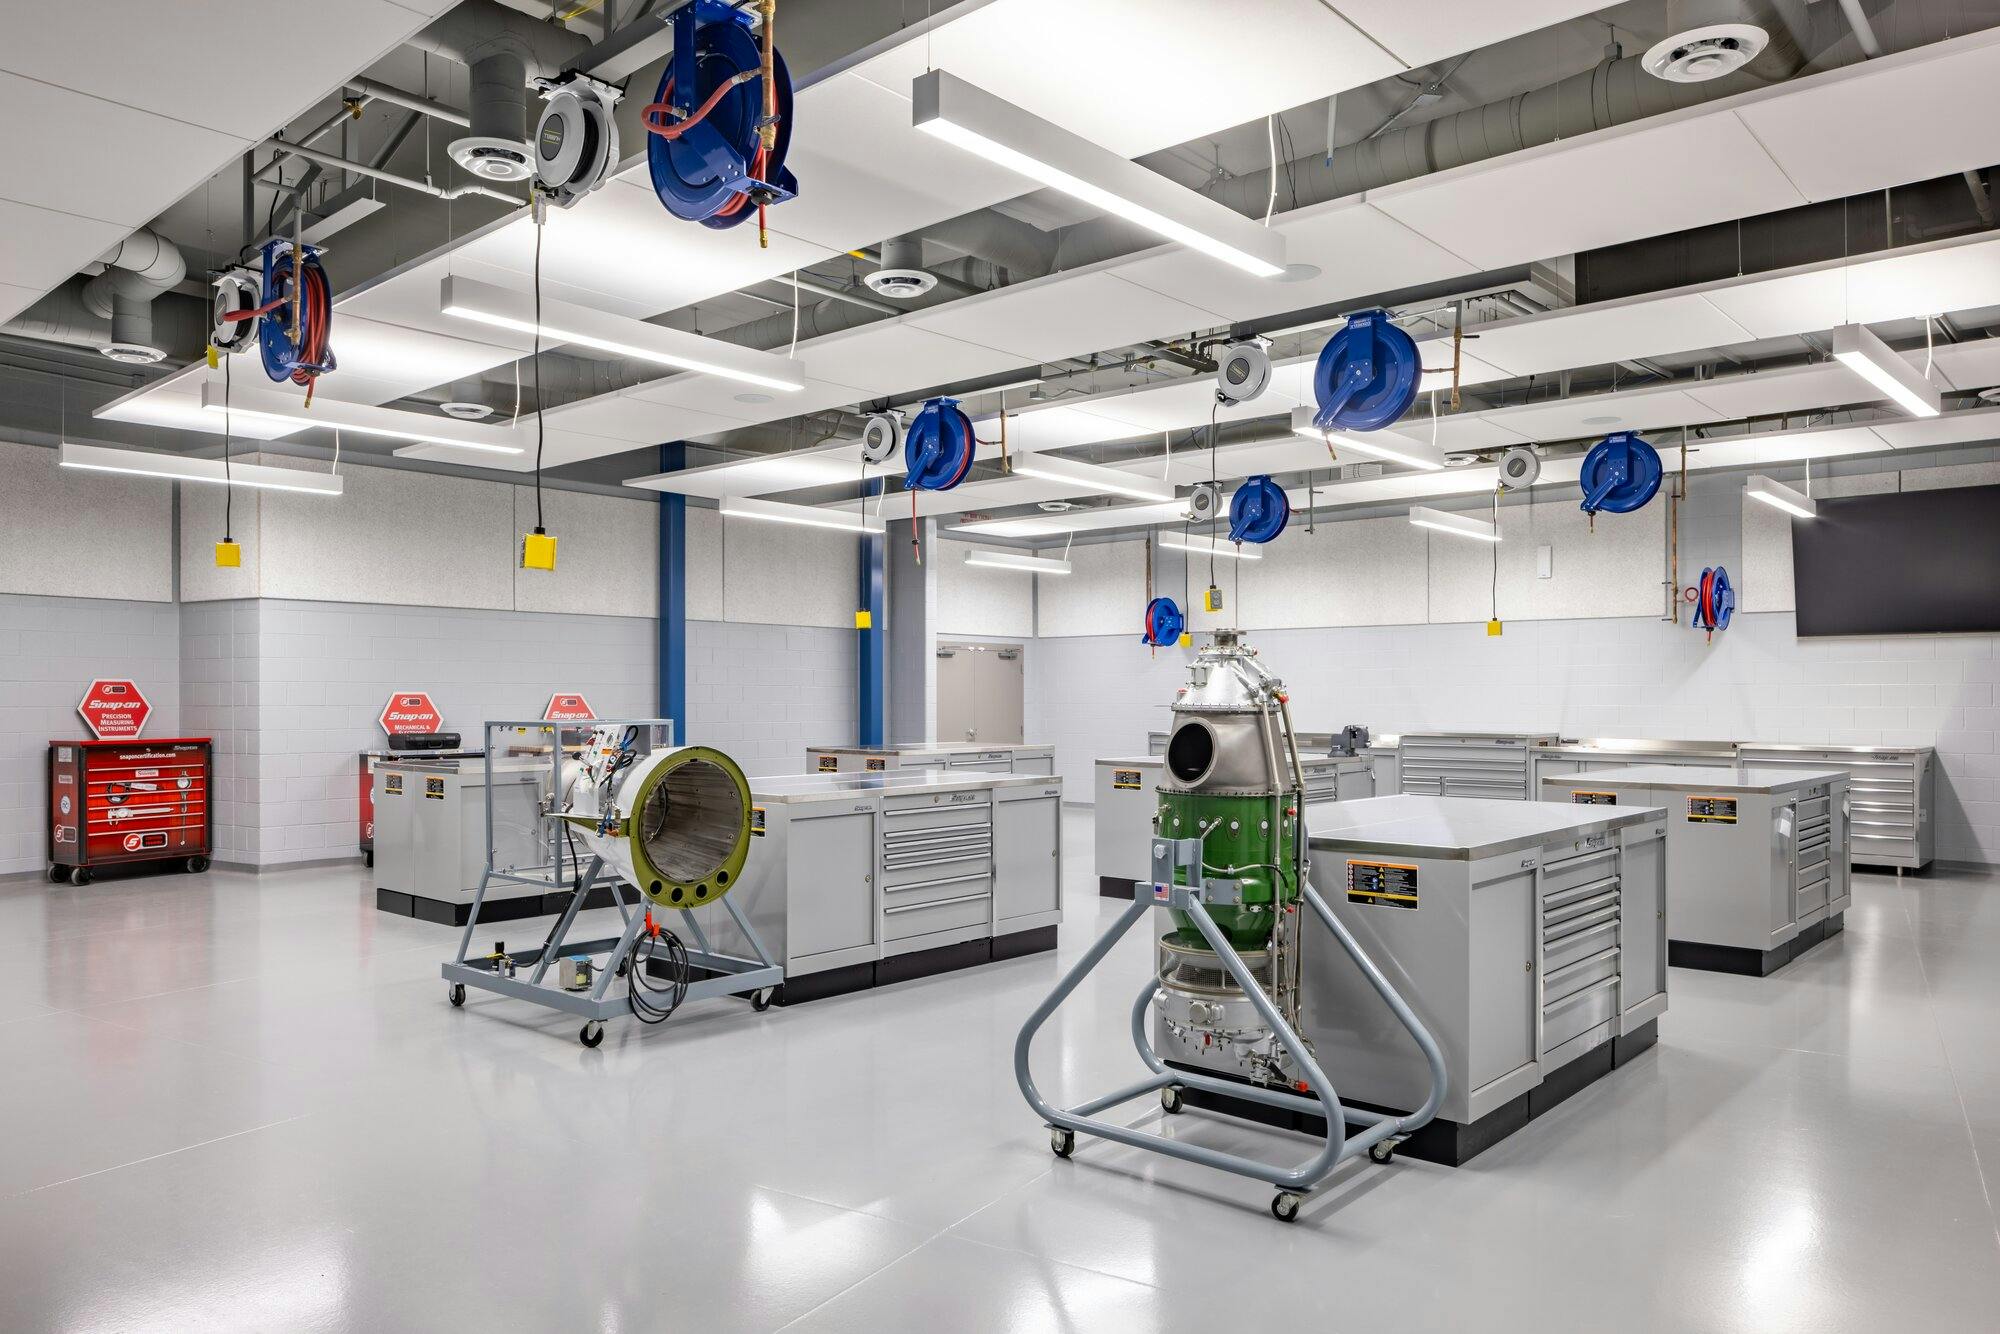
{"points": [[304, 358], [642, 996]]}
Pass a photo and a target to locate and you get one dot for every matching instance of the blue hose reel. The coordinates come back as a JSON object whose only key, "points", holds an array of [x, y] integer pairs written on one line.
{"points": [[1164, 623], [708, 165], [1258, 511], [1714, 600], [938, 447], [1367, 375], [302, 357], [1620, 473]]}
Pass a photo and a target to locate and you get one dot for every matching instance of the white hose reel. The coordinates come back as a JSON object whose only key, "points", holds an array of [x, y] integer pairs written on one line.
{"points": [[576, 139]]}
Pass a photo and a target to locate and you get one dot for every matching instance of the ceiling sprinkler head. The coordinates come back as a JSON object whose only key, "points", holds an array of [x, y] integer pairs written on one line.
{"points": [[465, 411], [1707, 52]]}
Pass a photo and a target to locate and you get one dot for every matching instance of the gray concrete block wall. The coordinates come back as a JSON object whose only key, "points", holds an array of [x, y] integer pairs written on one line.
{"points": [[50, 649], [219, 662], [763, 693]]}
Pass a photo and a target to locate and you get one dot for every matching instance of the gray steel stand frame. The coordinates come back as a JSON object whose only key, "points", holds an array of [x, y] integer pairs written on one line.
{"points": [[735, 976], [1191, 899]]}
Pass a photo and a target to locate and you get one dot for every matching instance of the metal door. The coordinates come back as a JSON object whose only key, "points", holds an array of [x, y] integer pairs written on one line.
{"points": [[957, 693], [980, 693]]}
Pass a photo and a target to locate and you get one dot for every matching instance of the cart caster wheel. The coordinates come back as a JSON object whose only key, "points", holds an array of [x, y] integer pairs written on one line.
{"points": [[1171, 1101], [368, 860], [1062, 1143], [59, 875], [196, 865], [1381, 1152], [80, 875], [1285, 1206], [760, 999], [592, 1034], [624, 967], [456, 994]]}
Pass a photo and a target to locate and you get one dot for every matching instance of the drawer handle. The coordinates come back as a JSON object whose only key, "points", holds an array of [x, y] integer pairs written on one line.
{"points": [[1575, 996], [938, 830], [917, 863], [1577, 926], [1611, 952], [923, 845], [933, 884], [1557, 898], [934, 903], [903, 812], [1587, 895]]}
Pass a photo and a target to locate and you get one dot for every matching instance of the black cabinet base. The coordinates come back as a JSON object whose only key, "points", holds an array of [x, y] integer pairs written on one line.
{"points": [[450, 912], [1449, 1142], [1747, 962], [1112, 887], [916, 964]]}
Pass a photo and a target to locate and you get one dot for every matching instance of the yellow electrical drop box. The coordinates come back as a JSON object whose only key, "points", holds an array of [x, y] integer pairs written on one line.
{"points": [[1187, 640], [1493, 629], [864, 620], [1211, 600], [228, 555], [538, 551]]}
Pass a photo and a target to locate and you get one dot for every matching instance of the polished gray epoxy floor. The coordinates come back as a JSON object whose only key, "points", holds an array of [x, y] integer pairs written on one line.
{"points": [[241, 1103]]}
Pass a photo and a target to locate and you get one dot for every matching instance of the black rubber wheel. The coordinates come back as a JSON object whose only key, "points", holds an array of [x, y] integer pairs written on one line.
{"points": [[624, 967], [1171, 1100], [1381, 1152], [591, 1034], [1285, 1206], [369, 858], [59, 875], [80, 875], [456, 995], [196, 865], [760, 999], [1062, 1143]]}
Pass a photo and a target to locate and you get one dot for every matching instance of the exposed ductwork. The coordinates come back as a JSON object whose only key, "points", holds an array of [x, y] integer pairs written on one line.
{"points": [[113, 312], [176, 328], [503, 49]]}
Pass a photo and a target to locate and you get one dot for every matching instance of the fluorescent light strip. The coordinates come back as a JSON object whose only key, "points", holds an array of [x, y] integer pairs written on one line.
{"points": [[175, 468], [1008, 560], [1209, 546], [1095, 477], [971, 118], [774, 511], [1390, 448], [360, 418], [1458, 525], [1783, 497], [566, 322], [1869, 357]]}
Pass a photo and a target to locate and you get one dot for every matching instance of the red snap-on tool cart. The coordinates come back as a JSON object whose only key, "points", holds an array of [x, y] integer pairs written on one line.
{"points": [[116, 803]]}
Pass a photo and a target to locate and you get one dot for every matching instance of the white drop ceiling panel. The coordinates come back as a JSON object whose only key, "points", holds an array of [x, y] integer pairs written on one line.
{"points": [[14, 300], [1954, 428], [1900, 118], [1973, 365], [896, 357], [632, 420], [1178, 406], [1421, 34], [178, 405], [771, 475], [1063, 316], [1595, 414], [1598, 334], [714, 396], [43, 248], [1595, 190], [1759, 393], [993, 493], [1466, 430], [144, 55], [1054, 428], [1139, 75], [1957, 274], [102, 160]]}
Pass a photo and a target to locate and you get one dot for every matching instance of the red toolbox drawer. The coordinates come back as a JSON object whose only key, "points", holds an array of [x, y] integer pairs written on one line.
{"points": [[118, 802]]}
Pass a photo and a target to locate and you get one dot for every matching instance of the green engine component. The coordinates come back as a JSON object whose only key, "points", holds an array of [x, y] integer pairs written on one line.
{"points": [[1244, 845], [689, 831]]}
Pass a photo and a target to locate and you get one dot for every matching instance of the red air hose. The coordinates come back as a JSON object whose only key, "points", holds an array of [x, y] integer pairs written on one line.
{"points": [[670, 130], [315, 317]]}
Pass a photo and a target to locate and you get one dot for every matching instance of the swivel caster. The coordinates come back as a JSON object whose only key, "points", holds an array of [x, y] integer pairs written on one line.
{"points": [[1382, 1151], [195, 865], [624, 967], [456, 993], [80, 875], [1285, 1206], [1171, 1101], [59, 875], [1062, 1143], [591, 1034], [760, 999]]}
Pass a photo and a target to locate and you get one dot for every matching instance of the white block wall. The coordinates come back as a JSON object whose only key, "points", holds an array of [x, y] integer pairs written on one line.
{"points": [[763, 693]]}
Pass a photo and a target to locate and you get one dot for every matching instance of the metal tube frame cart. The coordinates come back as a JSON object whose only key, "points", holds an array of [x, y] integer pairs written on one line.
{"points": [[1378, 1133], [716, 974]]}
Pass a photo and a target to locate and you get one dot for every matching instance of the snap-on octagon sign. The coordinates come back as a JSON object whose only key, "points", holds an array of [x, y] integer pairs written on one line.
{"points": [[114, 710], [409, 712]]}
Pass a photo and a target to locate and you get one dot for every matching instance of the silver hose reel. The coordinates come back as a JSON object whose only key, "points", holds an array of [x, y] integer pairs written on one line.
{"points": [[1519, 467], [881, 438], [1242, 372], [576, 139]]}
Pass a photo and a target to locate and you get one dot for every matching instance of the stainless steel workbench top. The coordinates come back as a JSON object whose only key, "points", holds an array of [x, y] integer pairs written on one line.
{"points": [[1460, 828], [1691, 778], [940, 748], [786, 788], [1724, 751]]}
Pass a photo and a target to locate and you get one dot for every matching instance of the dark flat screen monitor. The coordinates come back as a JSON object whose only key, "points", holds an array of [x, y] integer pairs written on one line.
{"points": [[1914, 562]]}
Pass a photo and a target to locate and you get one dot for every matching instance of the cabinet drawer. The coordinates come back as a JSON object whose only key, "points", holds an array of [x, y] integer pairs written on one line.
{"points": [[955, 885], [1814, 808], [1592, 939], [1554, 920], [1562, 983], [900, 921], [1812, 898], [1579, 1012], [935, 868], [921, 812], [1579, 869]]}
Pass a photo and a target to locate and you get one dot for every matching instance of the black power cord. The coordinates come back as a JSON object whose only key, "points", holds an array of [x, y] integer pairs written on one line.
{"points": [[641, 995]]}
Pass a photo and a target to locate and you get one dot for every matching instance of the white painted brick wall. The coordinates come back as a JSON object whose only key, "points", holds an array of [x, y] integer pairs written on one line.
{"points": [[763, 693], [50, 649]]}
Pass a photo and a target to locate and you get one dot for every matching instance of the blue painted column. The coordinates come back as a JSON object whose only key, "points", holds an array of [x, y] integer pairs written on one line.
{"points": [[673, 597], [871, 631]]}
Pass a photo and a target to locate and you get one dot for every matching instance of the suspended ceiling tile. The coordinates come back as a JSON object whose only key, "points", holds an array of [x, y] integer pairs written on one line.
{"points": [[1925, 282], [1182, 405], [1970, 365], [1437, 376], [1139, 75], [198, 61], [97, 159], [1356, 248], [406, 359], [896, 357], [773, 474], [1784, 447], [1595, 190], [1597, 414], [1422, 34], [1054, 428], [42, 248], [1601, 334], [634, 420], [1791, 389], [1900, 118], [1468, 431], [177, 403], [1787, 304], [714, 396], [14, 300], [994, 493], [1063, 317], [1953, 428]]}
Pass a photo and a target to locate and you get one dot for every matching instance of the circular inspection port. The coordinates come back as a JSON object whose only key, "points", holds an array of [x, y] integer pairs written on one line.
{"points": [[1190, 752], [690, 822]]}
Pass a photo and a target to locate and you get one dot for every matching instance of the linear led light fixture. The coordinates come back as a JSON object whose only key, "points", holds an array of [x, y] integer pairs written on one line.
{"points": [[971, 118], [776, 511], [1390, 448], [1458, 525], [1783, 497], [621, 335], [1209, 546], [1092, 477], [1869, 357], [361, 418], [177, 468], [1009, 560]]}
